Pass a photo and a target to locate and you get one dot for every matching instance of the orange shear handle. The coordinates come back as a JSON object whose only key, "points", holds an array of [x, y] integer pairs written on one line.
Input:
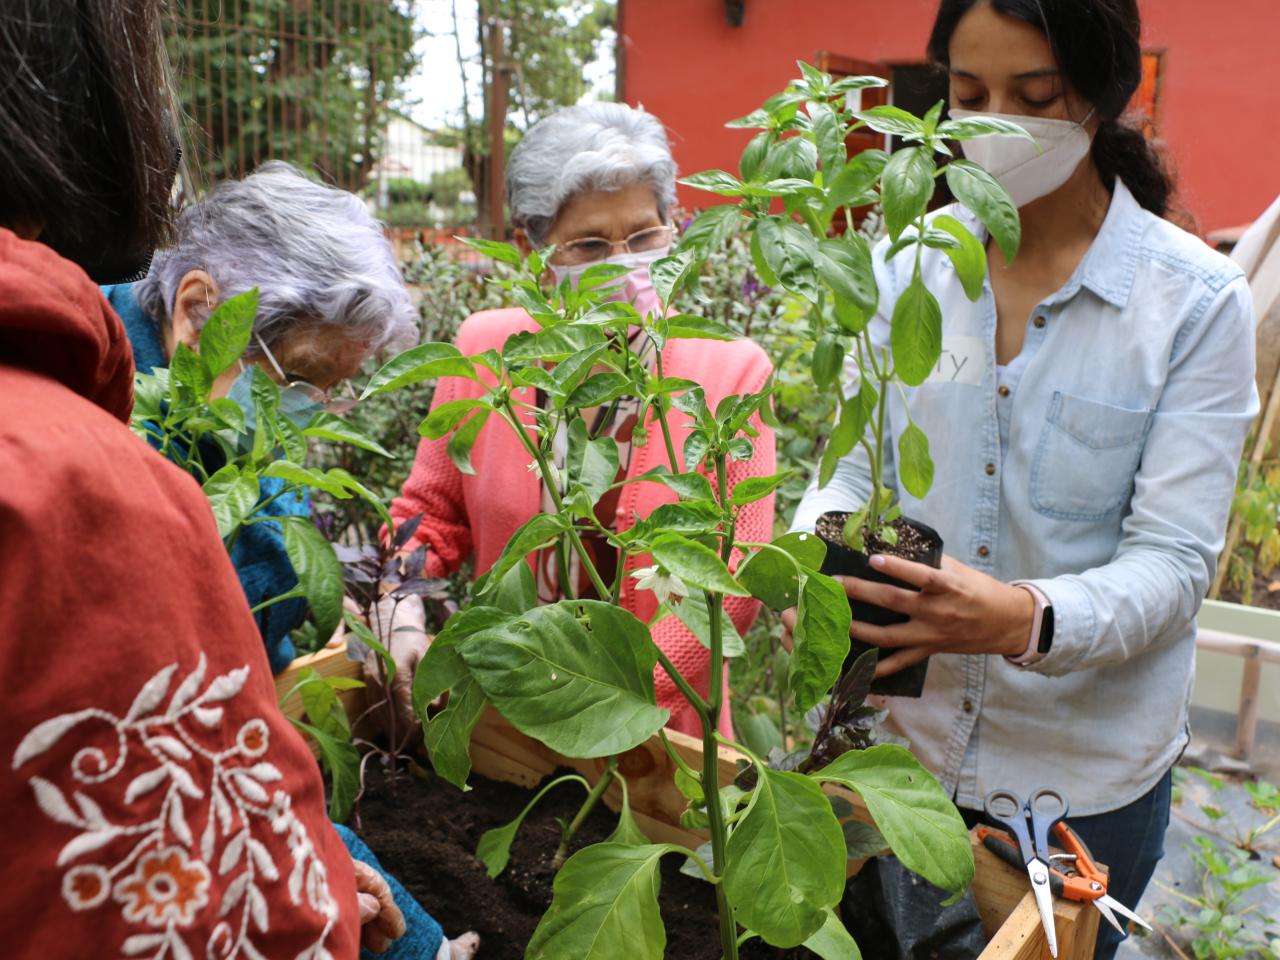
{"points": [[1089, 882]]}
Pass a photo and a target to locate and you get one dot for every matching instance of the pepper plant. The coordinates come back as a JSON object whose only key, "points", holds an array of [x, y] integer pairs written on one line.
{"points": [[231, 447], [578, 674], [796, 193]]}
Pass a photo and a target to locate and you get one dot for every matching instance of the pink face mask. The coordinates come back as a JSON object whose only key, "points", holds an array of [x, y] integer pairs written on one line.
{"points": [[636, 287]]}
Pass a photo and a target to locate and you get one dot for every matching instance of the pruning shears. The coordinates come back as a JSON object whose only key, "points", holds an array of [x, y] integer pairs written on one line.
{"points": [[1072, 875]]}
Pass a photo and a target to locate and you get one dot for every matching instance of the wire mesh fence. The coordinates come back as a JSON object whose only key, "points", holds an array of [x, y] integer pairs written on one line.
{"points": [[321, 84]]}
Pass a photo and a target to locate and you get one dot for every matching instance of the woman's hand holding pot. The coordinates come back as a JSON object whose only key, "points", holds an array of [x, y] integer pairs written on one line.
{"points": [[957, 610]]}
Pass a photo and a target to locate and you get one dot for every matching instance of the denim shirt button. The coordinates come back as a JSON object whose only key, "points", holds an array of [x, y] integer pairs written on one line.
{"points": [[984, 551], [1003, 390], [1040, 321], [990, 468], [967, 706]]}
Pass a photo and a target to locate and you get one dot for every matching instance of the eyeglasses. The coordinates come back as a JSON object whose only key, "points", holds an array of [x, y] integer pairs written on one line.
{"points": [[591, 249], [312, 393]]}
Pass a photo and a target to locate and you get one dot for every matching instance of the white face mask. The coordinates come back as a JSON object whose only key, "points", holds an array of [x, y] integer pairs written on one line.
{"points": [[635, 287], [1029, 170]]}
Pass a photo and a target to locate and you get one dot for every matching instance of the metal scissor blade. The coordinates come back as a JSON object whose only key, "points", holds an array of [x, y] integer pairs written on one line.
{"points": [[1120, 908], [1038, 870], [1108, 916]]}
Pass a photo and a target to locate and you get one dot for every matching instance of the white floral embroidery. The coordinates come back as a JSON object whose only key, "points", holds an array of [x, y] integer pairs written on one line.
{"points": [[164, 878]]}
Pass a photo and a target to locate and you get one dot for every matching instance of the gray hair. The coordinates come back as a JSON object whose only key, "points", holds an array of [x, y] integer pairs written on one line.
{"points": [[592, 146], [314, 252]]}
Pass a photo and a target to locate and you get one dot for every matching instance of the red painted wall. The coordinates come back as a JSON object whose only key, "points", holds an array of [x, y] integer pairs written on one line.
{"points": [[1219, 112]]}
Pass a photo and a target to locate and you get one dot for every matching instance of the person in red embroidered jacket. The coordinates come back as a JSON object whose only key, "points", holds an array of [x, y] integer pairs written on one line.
{"points": [[156, 801], [598, 181]]}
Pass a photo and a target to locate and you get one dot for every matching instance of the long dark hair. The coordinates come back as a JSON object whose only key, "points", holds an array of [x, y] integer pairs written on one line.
{"points": [[87, 136], [1098, 48]]}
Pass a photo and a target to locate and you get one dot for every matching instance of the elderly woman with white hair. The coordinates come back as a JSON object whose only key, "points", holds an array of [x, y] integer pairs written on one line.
{"points": [[597, 181], [329, 296]]}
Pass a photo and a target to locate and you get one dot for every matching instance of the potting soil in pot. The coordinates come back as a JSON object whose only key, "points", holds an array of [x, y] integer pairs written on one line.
{"points": [[425, 834]]}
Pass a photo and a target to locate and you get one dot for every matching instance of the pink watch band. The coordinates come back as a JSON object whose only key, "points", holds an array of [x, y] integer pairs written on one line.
{"points": [[1032, 654]]}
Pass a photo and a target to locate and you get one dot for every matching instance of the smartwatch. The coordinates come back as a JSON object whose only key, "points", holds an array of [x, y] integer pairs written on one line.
{"points": [[1041, 640]]}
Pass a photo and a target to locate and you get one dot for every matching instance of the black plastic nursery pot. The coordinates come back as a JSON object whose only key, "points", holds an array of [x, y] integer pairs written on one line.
{"points": [[916, 541]]}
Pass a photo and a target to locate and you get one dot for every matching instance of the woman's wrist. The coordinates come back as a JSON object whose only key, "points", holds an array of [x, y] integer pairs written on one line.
{"points": [[1020, 613]]}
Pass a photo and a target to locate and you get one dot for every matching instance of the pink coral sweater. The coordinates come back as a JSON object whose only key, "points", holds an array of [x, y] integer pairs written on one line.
{"points": [[476, 515]]}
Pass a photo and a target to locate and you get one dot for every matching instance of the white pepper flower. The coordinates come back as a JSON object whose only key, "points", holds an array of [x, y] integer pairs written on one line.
{"points": [[664, 585]]}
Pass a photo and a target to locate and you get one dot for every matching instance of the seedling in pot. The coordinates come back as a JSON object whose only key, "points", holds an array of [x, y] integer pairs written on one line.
{"points": [[798, 162]]}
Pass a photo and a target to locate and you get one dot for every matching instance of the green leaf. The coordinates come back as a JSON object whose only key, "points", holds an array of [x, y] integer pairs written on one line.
{"points": [[971, 127], [604, 897], [849, 84], [424, 362], [232, 495], [330, 427], [855, 414], [758, 260], [577, 675], [464, 438], [911, 810], [318, 570], [794, 157], [692, 612], [969, 258], [844, 265], [712, 227], [894, 121], [915, 466], [715, 181], [752, 158], [833, 941], [689, 486], [441, 667], [494, 848], [599, 389], [915, 333], [758, 732], [502, 252], [772, 578], [785, 859], [697, 565], [341, 761], [854, 185], [538, 531], [821, 638], [686, 327], [225, 335], [828, 362], [905, 188], [827, 134], [186, 369], [790, 250], [448, 733], [305, 476], [751, 489], [672, 272], [592, 463], [990, 203], [448, 415]]}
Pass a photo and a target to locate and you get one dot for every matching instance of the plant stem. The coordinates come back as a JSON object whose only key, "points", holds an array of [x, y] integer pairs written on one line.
{"points": [[710, 722], [660, 404], [606, 778]]}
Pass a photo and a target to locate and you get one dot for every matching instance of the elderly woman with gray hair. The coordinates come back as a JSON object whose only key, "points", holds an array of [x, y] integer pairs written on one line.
{"points": [[597, 181], [330, 295]]}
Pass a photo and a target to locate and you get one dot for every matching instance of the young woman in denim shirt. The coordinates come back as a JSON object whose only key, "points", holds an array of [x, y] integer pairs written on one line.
{"points": [[1086, 420]]}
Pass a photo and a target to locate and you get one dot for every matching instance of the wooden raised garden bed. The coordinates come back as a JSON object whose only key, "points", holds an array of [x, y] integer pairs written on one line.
{"points": [[500, 752]]}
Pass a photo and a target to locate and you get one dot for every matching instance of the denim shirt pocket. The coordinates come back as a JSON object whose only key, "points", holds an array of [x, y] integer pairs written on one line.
{"points": [[1087, 457]]}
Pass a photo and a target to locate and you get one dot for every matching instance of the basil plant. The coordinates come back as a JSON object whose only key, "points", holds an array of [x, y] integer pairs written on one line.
{"points": [[798, 162], [578, 675]]}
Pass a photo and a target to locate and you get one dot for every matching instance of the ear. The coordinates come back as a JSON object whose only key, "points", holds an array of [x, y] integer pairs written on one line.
{"points": [[195, 299], [523, 243]]}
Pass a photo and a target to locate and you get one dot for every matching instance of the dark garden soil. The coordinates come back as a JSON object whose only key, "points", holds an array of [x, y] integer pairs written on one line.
{"points": [[426, 834], [1266, 592], [911, 544]]}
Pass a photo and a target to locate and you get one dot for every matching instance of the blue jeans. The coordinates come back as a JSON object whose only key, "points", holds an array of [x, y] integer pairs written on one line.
{"points": [[1130, 841]]}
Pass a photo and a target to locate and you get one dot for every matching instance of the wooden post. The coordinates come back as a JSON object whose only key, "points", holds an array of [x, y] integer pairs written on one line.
{"points": [[1247, 721], [497, 128]]}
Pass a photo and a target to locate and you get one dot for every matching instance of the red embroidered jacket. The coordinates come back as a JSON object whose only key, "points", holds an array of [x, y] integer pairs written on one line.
{"points": [[156, 802]]}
